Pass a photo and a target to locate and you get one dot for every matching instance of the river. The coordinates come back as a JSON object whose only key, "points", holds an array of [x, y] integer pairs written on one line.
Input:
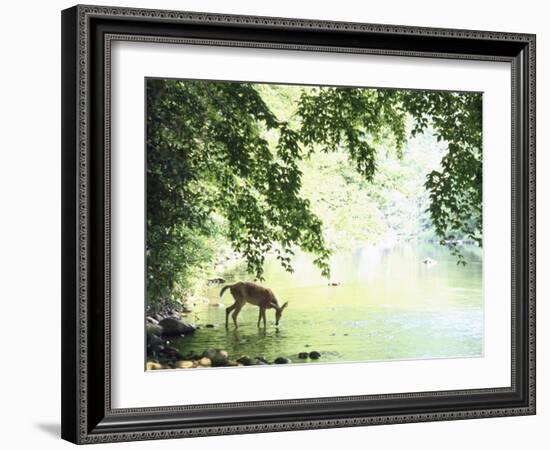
{"points": [[389, 305]]}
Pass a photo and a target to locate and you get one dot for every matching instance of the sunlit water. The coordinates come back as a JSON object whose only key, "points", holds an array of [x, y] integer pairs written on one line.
{"points": [[389, 305]]}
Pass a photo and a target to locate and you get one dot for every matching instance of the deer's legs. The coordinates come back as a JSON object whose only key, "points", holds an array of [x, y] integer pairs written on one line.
{"points": [[263, 316], [260, 315], [238, 308], [227, 311]]}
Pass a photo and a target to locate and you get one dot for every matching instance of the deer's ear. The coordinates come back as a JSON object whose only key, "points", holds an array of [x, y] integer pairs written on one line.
{"points": [[285, 304]]}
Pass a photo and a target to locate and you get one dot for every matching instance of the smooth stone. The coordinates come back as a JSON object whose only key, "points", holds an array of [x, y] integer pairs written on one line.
{"points": [[217, 356], [184, 364], [261, 359], [154, 340], [205, 362], [303, 355], [153, 329], [314, 355], [246, 361], [282, 360], [153, 365], [175, 327], [173, 353]]}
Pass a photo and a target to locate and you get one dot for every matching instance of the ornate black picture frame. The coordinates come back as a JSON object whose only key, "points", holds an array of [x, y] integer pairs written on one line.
{"points": [[87, 414]]}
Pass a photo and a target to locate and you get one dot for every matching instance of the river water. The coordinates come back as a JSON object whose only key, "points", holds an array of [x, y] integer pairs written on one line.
{"points": [[389, 305]]}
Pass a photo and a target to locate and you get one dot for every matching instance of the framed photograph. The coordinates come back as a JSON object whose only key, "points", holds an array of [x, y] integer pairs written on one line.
{"points": [[279, 224]]}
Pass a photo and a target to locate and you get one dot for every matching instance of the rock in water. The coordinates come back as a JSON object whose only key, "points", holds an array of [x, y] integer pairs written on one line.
{"points": [[205, 362], [153, 340], [153, 366], [246, 361], [217, 356], [153, 329], [173, 353], [217, 280], [184, 364], [303, 355], [175, 327], [282, 360], [314, 355], [158, 317]]}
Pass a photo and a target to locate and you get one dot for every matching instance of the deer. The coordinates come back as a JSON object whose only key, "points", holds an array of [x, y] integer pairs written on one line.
{"points": [[246, 292]]}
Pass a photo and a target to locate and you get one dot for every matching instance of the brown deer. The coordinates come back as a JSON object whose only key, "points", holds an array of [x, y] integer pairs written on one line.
{"points": [[246, 292]]}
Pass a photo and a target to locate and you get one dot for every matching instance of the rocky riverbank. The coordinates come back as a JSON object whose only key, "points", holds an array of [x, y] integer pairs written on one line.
{"points": [[161, 328]]}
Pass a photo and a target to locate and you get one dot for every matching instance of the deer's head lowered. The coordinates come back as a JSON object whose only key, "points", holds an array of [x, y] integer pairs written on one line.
{"points": [[279, 312]]}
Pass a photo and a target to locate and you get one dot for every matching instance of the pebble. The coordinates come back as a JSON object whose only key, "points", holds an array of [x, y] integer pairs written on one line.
{"points": [[184, 364], [246, 361], [205, 362], [216, 356], [153, 366], [314, 355], [303, 355], [153, 329], [282, 360]]}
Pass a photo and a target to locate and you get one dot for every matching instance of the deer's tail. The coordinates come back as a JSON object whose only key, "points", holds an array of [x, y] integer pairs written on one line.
{"points": [[224, 288]]}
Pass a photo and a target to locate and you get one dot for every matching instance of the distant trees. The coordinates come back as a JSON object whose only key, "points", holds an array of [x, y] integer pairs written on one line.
{"points": [[208, 158]]}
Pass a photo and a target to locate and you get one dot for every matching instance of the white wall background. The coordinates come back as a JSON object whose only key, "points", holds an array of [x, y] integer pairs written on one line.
{"points": [[30, 222]]}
